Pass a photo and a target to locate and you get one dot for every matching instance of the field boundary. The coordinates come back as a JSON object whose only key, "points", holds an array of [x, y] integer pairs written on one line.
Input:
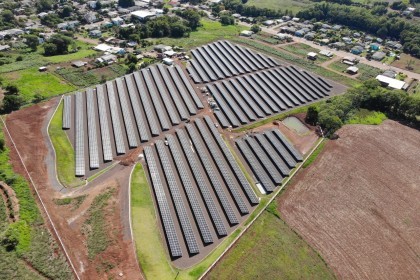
{"points": [[259, 214], [41, 201]]}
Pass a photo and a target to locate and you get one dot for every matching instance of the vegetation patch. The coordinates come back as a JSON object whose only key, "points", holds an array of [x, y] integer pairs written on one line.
{"points": [[363, 116], [366, 72], [74, 201], [314, 155], [31, 82], [302, 51], [95, 227], [288, 6], [64, 152], [272, 249]]}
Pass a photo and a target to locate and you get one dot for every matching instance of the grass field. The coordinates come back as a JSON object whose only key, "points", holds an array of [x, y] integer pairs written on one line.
{"points": [[209, 31], [63, 150], [84, 51], [304, 63], [271, 250], [30, 82], [363, 116], [291, 5], [302, 50], [366, 72], [314, 155], [405, 58], [151, 254]]}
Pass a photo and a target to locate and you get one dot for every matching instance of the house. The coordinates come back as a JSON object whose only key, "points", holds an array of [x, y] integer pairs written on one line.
{"points": [[309, 36], [268, 22], [378, 56], [95, 33], [68, 25], [356, 35], [368, 38], [326, 53], [167, 61], [246, 33], [91, 4], [338, 45], [300, 33], [311, 56], [389, 73], [391, 83], [281, 36], [78, 63], [295, 19], [324, 42], [42, 69], [375, 46], [107, 59], [337, 27], [90, 17], [349, 60], [106, 24], [143, 15], [170, 53], [42, 15], [4, 48], [285, 18], [117, 21], [356, 50], [162, 48], [352, 70], [346, 40]]}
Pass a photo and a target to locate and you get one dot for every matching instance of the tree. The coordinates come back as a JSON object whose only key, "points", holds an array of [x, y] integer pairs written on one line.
{"points": [[12, 103], [44, 5], [32, 42], [244, 1], [312, 115], [50, 49], [132, 67], [66, 12], [11, 90], [255, 28], [7, 16], [125, 3], [227, 20]]}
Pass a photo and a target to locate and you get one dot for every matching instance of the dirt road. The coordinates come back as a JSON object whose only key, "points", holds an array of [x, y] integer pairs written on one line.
{"points": [[358, 203]]}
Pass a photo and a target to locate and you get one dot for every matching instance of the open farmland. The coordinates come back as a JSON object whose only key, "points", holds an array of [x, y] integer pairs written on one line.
{"points": [[357, 204]]}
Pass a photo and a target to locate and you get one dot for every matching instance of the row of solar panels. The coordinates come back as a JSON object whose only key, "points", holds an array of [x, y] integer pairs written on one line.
{"points": [[270, 156], [248, 98], [131, 110], [222, 59], [198, 161]]}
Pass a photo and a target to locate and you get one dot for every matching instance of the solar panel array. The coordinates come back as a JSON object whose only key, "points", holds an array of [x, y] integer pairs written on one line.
{"points": [[123, 113], [79, 144], [209, 192], [251, 97], [222, 59], [270, 156]]}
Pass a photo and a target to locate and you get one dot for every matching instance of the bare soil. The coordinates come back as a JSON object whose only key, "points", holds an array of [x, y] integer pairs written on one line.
{"points": [[28, 130], [358, 203]]}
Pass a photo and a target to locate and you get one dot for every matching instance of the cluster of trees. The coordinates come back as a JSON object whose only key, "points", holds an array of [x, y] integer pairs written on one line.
{"points": [[58, 44], [7, 20], [192, 16], [12, 99], [331, 115], [236, 6], [226, 19], [362, 19], [125, 3]]}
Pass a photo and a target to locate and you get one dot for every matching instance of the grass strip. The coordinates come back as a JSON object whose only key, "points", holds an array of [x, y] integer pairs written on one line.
{"points": [[314, 155]]}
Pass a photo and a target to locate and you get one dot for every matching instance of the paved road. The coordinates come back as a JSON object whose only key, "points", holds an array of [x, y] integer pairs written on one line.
{"points": [[372, 63]]}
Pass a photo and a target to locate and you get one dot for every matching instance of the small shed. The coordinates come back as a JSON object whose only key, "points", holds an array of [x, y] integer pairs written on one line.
{"points": [[352, 70], [167, 61], [311, 56], [378, 56], [246, 33], [78, 63]]}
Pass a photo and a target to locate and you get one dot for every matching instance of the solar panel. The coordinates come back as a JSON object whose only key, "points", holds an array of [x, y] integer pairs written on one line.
{"points": [[132, 140], [174, 94], [193, 74], [291, 86], [177, 198], [189, 189], [156, 101], [212, 174], [201, 183], [165, 97], [203, 75], [233, 120], [115, 119], [289, 146], [165, 212], [220, 59], [256, 167], [275, 82], [189, 88], [250, 101], [259, 100], [135, 104], [244, 56], [93, 140], [264, 160], [261, 81], [232, 162], [151, 119], [103, 121], [241, 103], [278, 145], [317, 89], [179, 90], [273, 155], [208, 60], [67, 112], [224, 49], [231, 103], [222, 166], [299, 85], [202, 63], [222, 119], [80, 135]]}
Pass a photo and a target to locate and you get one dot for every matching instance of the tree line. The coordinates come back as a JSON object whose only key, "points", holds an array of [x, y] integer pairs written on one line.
{"points": [[333, 113], [364, 20]]}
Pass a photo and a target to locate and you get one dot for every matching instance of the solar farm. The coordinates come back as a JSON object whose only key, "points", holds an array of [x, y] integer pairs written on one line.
{"points": [[197, 160], [128, 111], [270, 156], [196, 175]]}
